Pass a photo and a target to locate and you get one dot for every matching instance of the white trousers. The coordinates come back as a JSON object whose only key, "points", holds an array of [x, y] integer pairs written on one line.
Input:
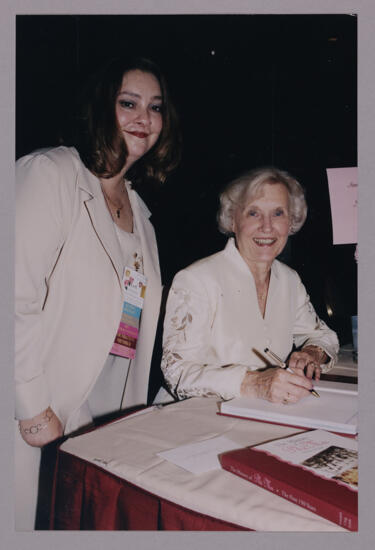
{"points": [[104, 398], [27, 462]]}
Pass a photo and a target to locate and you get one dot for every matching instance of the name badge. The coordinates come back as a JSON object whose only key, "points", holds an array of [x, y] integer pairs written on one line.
{"points": [[127, 334]]}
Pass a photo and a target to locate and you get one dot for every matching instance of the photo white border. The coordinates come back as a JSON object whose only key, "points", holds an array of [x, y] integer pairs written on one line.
{"points": [[365, 9]]}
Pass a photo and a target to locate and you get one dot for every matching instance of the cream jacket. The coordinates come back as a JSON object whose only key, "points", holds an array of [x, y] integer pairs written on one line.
{"points": [[69, 293], [214, 331]]}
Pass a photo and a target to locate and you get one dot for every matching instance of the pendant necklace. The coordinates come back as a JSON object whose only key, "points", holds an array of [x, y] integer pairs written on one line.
{"points": [[117, 208]]}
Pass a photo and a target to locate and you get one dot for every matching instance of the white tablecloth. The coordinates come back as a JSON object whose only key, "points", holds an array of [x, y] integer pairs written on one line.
{"points": [[128, 449]]}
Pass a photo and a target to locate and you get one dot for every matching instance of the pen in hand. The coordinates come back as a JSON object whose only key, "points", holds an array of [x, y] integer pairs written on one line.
{"points": [[283, 365]]}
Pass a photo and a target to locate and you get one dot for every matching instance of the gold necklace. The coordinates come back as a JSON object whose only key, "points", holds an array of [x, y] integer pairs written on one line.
{"points": [[117, 208]]}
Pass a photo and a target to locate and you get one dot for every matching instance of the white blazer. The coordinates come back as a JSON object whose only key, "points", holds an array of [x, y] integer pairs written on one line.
{"points": [[214, 331], [69, 293]]}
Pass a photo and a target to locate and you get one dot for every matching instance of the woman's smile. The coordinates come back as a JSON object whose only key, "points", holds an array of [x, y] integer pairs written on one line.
{"points": [[262, 226], [264, 242], [138, 134], [139, 108]]}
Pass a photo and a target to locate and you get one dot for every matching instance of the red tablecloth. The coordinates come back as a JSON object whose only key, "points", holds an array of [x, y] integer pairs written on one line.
{"points": [[87, 497], [115, 477]]}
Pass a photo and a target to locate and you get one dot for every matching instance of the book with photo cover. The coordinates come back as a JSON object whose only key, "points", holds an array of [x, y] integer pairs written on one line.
{"points": [[335, 410], [317, 470]]}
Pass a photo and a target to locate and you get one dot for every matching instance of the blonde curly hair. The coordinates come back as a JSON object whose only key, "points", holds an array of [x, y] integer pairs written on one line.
{"points": [[242, 189]]}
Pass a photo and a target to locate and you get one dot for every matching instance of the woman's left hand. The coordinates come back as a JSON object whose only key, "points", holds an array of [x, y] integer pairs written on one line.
{"points": [[304, 361]]}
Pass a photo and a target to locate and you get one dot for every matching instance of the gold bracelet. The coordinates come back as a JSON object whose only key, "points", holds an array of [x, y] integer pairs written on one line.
{"points": [[36, 428]]}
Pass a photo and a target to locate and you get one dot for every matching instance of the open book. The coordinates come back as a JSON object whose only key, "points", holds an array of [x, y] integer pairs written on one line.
{"points": [[335, 410]]}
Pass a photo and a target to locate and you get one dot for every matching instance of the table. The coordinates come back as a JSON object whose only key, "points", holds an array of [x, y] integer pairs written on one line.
{"points": [[112, 478], [346, 369]]}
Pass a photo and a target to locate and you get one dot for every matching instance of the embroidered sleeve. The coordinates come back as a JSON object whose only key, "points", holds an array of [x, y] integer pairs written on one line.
{"points": [[188, 361], [309, 329]]}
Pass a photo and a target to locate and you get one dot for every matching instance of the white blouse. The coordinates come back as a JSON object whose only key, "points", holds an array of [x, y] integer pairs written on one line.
{"points": [[107, 394], [130, 244], [214, 331]]}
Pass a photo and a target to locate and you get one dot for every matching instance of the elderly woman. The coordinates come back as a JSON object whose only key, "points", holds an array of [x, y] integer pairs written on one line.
{"points": [[84, 340], [224, 310]]}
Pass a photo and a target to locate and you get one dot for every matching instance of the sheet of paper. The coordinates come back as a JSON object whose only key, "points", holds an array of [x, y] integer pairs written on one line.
{"points": [[343, 187], [331, 411], [200, 457]]}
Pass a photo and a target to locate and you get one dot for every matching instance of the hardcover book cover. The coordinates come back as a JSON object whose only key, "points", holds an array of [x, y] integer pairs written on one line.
{"points": [[317, 470]]}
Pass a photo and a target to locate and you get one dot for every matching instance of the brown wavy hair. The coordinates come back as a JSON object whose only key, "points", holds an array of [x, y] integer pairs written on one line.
{"points": [[100, 144]]}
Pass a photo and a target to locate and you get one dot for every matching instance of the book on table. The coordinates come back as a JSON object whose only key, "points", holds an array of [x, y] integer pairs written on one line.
{"points": [[317, 470], [335, 410]]}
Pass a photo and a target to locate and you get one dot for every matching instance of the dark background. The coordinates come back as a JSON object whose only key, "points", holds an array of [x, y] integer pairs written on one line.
{"points": [[251, 90]]}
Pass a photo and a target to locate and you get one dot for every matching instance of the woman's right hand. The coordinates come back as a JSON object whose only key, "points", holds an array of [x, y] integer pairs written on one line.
{"points": [[41, 429], [276, 385]]}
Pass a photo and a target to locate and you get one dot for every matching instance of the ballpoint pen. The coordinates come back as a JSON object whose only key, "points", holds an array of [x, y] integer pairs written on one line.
{"points": [[283, 365]]}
